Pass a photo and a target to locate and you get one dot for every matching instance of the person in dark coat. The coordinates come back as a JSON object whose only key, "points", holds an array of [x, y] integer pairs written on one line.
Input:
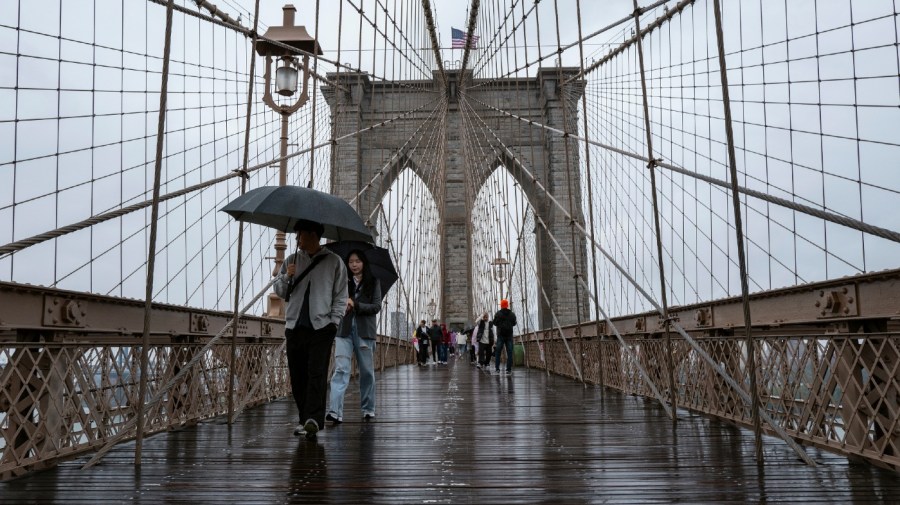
{"points": [[504, 320], [435, 333], [356, 337], [422, 338]]}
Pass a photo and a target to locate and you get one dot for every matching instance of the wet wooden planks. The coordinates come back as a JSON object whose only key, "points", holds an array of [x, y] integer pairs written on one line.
{"points": [[459, 435]]}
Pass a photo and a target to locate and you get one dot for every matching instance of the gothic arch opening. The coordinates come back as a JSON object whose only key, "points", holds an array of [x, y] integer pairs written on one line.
{"points": [[502, 223], [407, 222]]}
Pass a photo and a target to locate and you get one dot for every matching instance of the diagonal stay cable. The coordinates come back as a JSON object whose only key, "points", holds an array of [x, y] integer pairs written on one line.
{"points": [[293, 50], [806, 209], [606, 28], [669, 14], [473, 18], [693, 343], [484, 156], [435, 44], [401, 151], [580, 279], [18, 245], [126, 428]]}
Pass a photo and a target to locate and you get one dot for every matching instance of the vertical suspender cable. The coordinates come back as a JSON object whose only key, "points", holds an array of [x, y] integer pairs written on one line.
{"points": [[315, 94], [240, 240], [564, 101], [652, 166], [151, 253], [590, 193], [739, 231]]}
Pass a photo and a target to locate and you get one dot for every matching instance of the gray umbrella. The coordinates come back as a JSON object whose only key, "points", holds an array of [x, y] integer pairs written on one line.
{"points": [[280, 207]]}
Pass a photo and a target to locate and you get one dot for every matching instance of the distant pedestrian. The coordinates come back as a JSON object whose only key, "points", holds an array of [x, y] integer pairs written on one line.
{"points": [[356, 337], [461, 346], [484, 336], [504, 320], [435, 334], [445, 344], [423, 338]]}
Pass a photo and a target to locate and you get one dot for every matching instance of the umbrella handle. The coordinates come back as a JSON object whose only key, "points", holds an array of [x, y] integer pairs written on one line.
{"points": [[290, 288]]}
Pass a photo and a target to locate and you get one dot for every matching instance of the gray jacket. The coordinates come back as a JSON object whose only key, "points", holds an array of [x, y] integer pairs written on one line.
{"points": [[365, 310], [327, 294]]}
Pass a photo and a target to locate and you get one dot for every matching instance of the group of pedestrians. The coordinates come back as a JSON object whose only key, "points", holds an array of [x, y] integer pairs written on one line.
{"points": [[483, 342], [334, 302], [325, 307], [435, 342]]}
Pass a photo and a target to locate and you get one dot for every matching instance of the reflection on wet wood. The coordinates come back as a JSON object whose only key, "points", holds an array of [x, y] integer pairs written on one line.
{"points": [[458, 435]]}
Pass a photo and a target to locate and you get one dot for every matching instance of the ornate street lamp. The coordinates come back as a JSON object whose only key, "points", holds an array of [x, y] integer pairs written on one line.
{"points": [[498, 269], [286, 80], [287, 74]]}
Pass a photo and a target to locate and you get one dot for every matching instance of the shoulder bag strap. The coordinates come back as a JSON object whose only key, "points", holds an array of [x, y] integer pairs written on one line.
{"points": [[293, 282]]}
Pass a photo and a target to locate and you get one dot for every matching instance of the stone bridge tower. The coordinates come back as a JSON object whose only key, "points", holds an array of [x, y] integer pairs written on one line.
{"points": [[552, 160]]}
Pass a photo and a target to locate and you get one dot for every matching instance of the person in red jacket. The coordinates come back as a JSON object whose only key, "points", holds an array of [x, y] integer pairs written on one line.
{"points": [[444, 349]]}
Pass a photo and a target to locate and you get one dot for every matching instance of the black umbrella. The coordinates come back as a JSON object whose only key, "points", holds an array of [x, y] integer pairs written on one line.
{"points": [[280, 207], [380, 263]]}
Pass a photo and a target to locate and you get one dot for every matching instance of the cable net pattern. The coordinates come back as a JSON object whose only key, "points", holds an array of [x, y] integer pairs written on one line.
{"points": [[594, 148]]}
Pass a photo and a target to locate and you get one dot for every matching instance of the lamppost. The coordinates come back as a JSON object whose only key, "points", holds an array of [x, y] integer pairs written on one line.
{"points": [[286, 79], [498, 269]]}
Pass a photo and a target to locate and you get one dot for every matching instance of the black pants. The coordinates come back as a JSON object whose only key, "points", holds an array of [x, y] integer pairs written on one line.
{"points": [[484, 354], [308, 354], [434, 350]]}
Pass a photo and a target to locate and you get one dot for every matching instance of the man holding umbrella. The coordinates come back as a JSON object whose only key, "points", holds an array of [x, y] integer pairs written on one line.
{"points": [[313, 283]]}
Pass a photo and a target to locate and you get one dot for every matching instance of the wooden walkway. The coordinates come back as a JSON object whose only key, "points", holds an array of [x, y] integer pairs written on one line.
{"points": [[458, 435]]}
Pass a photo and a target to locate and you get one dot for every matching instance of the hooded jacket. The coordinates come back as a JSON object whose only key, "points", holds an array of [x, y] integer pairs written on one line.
{"points": [[504, 320]]}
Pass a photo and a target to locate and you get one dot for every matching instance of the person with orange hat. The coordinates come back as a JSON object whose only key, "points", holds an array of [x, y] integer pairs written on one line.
{"points": [[504, 320]]}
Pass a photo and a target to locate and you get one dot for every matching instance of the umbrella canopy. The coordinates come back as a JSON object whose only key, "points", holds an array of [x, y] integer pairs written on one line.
{"points": [[280, 207], [380, 263]]}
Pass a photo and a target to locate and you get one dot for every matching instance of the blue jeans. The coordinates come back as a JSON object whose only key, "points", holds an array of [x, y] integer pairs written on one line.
{"points": [[504, 343], [344, 349], [442, 353]]}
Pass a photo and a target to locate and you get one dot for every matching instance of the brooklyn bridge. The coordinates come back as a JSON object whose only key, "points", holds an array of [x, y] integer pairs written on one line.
{"points": [[690, 205]]}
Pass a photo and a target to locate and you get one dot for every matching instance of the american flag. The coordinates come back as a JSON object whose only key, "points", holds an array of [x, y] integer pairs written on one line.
{"points": [[459, 39]]}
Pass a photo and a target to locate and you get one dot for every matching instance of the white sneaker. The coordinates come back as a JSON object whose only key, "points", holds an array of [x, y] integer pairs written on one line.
{"points": [[299, 430], [311, 427]]}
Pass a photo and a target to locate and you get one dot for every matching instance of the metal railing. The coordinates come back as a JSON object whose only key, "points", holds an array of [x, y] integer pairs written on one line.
{"points": [[61, 399], [840, 392]]}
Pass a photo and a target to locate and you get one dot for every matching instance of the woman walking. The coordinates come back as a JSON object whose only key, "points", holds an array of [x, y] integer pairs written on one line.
{"points": [[356, 337]]}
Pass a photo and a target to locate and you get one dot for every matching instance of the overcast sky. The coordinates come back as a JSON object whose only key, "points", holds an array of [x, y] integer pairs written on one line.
{"points": [[800, 107]]}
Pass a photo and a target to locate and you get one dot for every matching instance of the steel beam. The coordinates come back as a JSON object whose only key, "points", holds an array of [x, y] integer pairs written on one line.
{"points": [[57, 314]]}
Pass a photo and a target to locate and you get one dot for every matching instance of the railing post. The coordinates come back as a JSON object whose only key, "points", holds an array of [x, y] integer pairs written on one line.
{"points": [[590, 192], [576, 250], [151, 253], [739, 231], [240, 240]]}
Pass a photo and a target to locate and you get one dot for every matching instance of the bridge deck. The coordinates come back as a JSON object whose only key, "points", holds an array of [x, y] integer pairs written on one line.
{"points": [[457, 435]]}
